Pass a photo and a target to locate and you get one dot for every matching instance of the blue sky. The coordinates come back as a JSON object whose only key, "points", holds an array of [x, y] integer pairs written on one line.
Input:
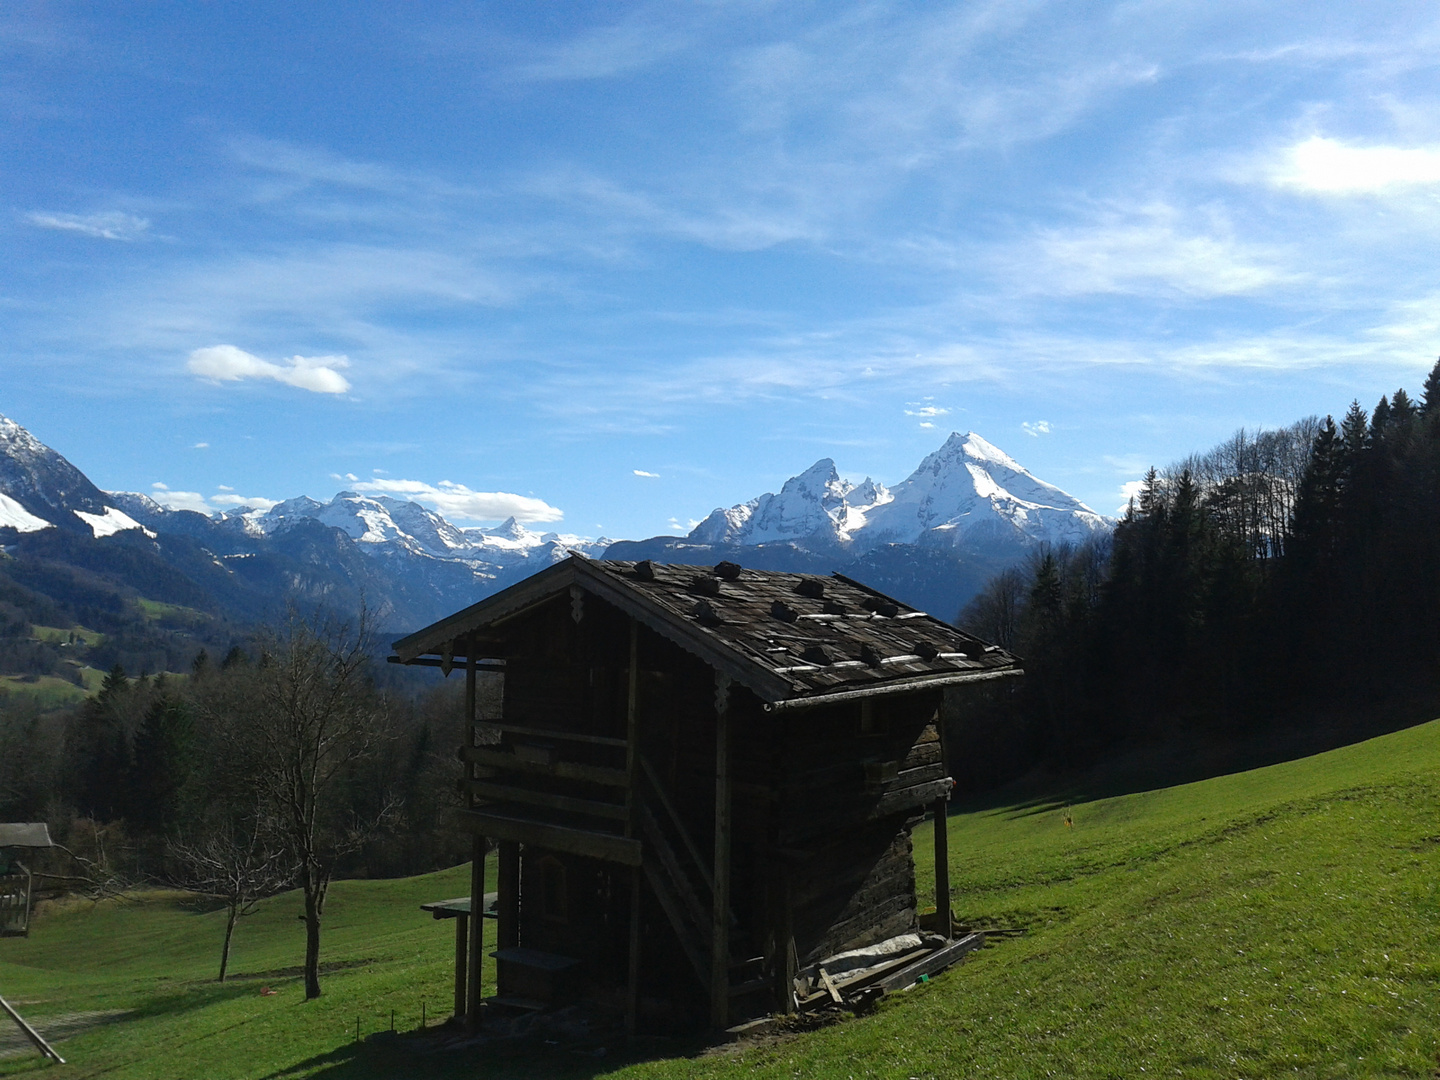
{"points": [[610, 266]]}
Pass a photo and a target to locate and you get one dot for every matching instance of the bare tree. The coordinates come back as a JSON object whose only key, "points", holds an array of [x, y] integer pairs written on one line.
{"points": [[240, 867], [994, 613], [300, 725]]}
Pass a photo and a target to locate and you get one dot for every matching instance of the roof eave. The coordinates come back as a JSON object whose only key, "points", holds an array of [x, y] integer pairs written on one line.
{"points": [[898, 686]]}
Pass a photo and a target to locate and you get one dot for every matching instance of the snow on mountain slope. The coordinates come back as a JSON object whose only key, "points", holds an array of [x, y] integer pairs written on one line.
{"points": [[110, 522], [15, 516], [43, 483], [966, 492], [970, 491], [815, 504]]}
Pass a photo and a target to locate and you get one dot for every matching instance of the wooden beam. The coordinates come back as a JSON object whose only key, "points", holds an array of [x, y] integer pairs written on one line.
{"points": [[720, 897], [485, 664], [909, 685], [553, 733], [617, 849], [564, 770], [936, 961], [31, 1034], [918, 795], [483, 789], [942, 867]]}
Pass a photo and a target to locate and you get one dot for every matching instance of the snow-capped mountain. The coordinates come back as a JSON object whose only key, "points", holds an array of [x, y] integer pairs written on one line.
{"points": [[932, 540], [815, 504], [40, 490], [969, 492], [404, 561], [403, 526], [966, 493]]}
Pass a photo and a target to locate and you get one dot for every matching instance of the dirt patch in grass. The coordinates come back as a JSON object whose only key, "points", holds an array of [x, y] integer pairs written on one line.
{"points": [[53, 1029]]}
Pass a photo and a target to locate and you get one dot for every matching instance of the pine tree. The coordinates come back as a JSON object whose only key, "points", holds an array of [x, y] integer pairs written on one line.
{"points": [[1402, 411], [161, 764], [1430, 393], [1379, 423]]}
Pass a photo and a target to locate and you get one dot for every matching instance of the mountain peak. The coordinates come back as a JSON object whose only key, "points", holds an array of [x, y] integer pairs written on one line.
{"points": [[966, 490], [46, 486]]}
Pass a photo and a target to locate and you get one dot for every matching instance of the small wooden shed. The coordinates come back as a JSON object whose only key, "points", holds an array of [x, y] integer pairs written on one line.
{"points": [[15, 878], [701, 779]]}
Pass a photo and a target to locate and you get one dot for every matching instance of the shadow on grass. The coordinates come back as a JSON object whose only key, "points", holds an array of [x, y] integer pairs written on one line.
{"points": [[1129, 769], [413, 1056], [326, 968], [187, 997]]}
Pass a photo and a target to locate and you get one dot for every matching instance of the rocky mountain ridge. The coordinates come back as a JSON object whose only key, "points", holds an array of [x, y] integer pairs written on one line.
{"points": [[966, 512], [932, 540]]}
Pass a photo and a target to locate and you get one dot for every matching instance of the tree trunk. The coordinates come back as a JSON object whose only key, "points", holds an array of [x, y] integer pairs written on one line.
{"points": [[231, 914], [312, 942]]}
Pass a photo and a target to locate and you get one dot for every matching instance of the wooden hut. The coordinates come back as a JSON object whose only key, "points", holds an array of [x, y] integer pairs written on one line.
{"points": [[15, 878], [701, 780]]}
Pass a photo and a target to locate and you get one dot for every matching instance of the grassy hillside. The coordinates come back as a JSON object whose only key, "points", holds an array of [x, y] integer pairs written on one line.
{"points": [[1284, 921]]}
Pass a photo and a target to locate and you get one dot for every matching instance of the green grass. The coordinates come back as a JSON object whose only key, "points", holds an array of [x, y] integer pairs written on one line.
{"points": [[171, 614], [49, 691], [62, 634], [1280, 922]]}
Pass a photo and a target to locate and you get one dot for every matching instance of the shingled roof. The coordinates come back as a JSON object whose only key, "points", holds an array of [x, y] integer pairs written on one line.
{"points": [[792, 638]]}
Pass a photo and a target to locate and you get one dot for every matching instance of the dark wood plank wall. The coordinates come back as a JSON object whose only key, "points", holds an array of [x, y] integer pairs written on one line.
{"points": [[823, 799]]}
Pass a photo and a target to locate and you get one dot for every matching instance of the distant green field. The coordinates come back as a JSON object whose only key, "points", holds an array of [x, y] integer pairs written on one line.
{"points": [[49, 690], [59, 633], [173, 614], [1280, 922]]}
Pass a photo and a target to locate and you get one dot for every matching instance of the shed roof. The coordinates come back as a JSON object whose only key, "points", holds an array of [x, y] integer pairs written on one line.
{"points": [[31, 834], [791, 638]]}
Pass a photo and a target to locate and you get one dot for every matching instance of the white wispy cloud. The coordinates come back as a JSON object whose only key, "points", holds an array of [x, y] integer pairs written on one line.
{"points": [[456, 501], [227, 363], [105, 225], [1037, 428], [642, 472], [629, 45], [1144, 251], [201, 504], [1129, 490], [1320, 165], [230, 502], [201, 446]]}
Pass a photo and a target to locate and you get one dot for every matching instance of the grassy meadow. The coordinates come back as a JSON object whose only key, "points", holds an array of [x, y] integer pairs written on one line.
{"points": [[1278, 922]]}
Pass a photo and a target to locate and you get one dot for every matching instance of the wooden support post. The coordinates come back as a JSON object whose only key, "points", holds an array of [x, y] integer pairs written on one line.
{"points": [[477, 865], [632, 731], [31, 1034], [477, 939], [632, 812], [720, 907], [507, 903], [942, 867], [632, 986], [462, 960], [786, 962]]}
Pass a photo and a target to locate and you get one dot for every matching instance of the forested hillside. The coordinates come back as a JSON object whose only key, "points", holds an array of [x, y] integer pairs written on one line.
{"points": [[1267, 586]]}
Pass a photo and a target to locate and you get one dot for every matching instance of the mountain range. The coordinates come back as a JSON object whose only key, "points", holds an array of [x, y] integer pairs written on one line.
{"points": [[931, 540]]}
